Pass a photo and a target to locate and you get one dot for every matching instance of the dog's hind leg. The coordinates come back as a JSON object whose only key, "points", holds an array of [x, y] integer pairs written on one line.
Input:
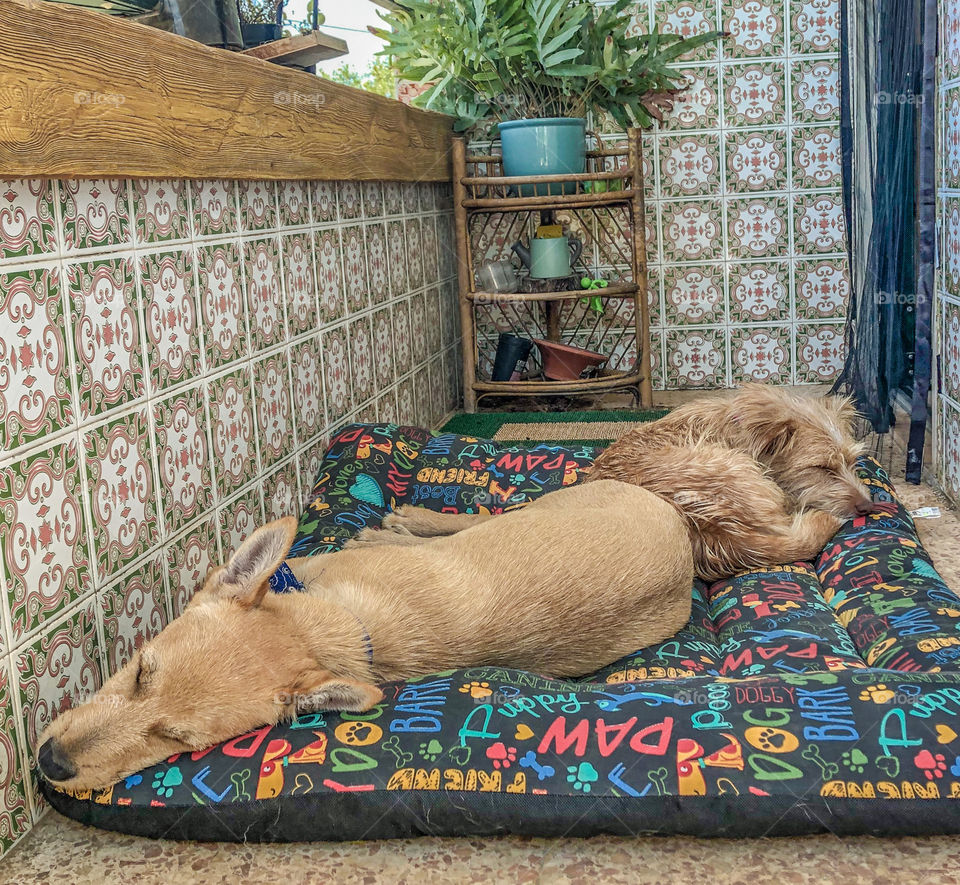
{"points": [[739, 518], [422, 523]]}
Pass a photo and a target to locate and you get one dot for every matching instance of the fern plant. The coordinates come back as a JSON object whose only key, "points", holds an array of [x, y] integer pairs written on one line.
{"points": [[496, 60]]}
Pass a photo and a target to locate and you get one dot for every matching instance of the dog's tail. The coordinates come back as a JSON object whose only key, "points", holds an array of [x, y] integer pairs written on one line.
{"points": [[812, 530]]}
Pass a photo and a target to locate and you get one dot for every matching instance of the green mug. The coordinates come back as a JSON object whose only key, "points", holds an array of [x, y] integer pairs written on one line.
{"points": [[552, 258]]}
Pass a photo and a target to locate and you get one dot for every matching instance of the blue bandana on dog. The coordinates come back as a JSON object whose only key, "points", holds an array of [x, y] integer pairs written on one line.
{"points": [[283, 580]]}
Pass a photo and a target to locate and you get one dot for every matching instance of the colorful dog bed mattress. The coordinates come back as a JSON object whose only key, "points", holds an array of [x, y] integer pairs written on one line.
{"points": [[808, 697]]}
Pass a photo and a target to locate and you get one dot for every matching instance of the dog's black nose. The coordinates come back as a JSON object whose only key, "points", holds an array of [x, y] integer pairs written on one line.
{"points": [[53, 763], [864, 507]]}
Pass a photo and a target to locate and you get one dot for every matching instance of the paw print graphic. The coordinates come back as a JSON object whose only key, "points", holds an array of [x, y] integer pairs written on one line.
{"points": [[879, 694], [477, 689], [517, 478], [358, 733], [771, 739], [501, 755], [933, 766], [431, 750], [165, 781], [855, 760], [582, 776]]}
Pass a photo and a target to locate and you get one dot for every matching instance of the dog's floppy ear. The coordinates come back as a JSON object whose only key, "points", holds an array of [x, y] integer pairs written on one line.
{"points": [[321, 690], [245, 576], [773, 436], [764, 432]]}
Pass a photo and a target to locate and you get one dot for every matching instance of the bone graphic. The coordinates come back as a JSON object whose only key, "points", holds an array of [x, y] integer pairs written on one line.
{"points": [[812, 754], [658, 778], [611, 703], [239, 780], [392, 746], [771, 635], [529, 760]]}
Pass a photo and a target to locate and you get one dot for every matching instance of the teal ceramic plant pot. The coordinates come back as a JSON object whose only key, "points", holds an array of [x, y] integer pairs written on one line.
{"points": [[550, 146]]}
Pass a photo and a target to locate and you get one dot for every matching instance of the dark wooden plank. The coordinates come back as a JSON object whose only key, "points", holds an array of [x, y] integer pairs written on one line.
{"points": [[86, 95], [301, 49]]}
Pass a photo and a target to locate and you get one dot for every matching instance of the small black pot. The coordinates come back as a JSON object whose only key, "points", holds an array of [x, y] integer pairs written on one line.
{"points": [[512, 353], [257, 34]]}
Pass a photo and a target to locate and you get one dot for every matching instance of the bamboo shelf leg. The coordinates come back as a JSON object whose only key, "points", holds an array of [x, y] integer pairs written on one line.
{"points": [[642, 314], [467, 329]]}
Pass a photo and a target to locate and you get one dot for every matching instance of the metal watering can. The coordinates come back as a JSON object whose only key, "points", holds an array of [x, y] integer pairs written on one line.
{"points": [[549, 258]]}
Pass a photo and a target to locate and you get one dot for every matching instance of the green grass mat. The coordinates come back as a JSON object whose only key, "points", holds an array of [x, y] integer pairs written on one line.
{"points": [[486, 425]]}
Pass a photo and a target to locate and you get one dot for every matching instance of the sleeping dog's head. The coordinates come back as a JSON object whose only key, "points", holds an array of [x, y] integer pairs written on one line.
{"points": [[236, 659], [806, 443]]}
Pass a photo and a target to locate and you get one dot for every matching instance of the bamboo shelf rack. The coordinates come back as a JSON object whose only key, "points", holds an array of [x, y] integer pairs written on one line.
{"points": [[613, 182]]}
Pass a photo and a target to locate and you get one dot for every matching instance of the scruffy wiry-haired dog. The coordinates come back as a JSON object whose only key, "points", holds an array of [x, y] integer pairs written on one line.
{"points": [[806, 443], [761, 478]]}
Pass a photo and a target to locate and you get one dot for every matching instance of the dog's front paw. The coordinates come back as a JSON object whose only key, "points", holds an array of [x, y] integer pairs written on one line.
{"points": [[399, 521], [368, 538]]}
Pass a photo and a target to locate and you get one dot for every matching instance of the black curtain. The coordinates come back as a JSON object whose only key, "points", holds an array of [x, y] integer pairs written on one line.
{"points": [[888, 58]]}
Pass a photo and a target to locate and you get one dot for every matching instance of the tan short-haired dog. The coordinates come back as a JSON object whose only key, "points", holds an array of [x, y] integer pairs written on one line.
{"points": [[575, 581]]}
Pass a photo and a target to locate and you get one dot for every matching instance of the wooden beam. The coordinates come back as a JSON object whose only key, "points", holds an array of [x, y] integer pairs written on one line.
{"points": [[301, 50], [85, 95]]}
